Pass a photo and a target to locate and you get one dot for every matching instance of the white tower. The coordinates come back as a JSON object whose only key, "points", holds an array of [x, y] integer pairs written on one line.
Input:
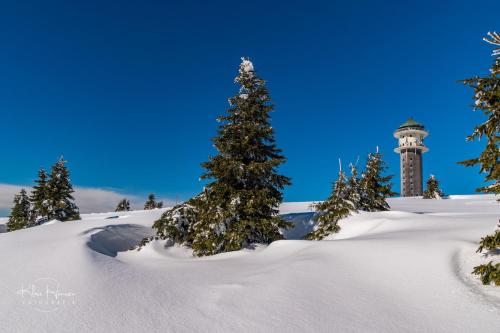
{"points": [[411, 146]]}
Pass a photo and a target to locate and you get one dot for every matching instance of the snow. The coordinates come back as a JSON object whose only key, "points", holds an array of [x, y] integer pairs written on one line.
{"points": [[405, 270], [246, 65], [51, 222]]}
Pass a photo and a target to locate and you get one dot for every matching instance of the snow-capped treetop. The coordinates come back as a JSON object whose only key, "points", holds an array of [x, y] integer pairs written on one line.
{"points": [[432, 190], [246, 65]]}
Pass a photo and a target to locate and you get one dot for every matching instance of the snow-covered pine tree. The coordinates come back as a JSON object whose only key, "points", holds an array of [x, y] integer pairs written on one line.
{"points": [[240, 204], [123, 206], [20, 216], [176, 224], [354, 187], [432, 190], [487, 100], [40, 198], [61, 204], [375, 187], [151, 203], [333, 209], [490, 272]]}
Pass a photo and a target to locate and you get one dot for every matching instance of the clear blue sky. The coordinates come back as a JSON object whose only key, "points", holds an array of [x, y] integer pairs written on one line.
{"points": [[129, 91]]}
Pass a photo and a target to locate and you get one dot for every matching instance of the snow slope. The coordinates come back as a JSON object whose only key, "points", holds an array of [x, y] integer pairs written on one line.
{"points": [[406, 270]]}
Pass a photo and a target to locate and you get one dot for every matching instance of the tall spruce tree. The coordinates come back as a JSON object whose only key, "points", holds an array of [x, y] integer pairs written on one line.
{"points": [[61, 204], [40, 198], [432, 190], [333, 209], [20, 216], [151, 203], [487, 100], [375, 187], [123, 206], [239, 205]]}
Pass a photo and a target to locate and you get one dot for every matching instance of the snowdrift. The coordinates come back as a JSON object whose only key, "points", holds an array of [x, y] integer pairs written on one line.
{"points": [[406, 270]]}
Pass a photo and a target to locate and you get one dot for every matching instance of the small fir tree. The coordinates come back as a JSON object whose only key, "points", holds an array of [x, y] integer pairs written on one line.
{"points": [[333, 209], [123, 206], [20, 216], [151, 203], [40, 198], [432, 190], [375, 187], [61, 204], [487, 100], [354, 187]]}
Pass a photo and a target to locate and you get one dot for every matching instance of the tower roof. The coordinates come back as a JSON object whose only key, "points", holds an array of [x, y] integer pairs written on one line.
{"points": [[411, 123]]}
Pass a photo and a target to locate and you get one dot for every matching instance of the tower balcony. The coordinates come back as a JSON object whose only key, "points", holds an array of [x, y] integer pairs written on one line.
{"points": [[412, 146]]}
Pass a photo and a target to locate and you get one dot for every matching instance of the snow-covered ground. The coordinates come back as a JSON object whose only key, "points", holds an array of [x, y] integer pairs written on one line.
{"points": [[406, 270]]}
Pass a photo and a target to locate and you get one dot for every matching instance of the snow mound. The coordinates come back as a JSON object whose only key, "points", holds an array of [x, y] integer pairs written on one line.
{"points": [[54, 221]]}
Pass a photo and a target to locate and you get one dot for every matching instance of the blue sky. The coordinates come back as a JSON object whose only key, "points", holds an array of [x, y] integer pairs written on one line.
{"points": [[128, 92]]}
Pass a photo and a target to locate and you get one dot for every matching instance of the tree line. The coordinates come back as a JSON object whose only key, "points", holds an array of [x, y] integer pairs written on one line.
{"points": [[51, 199]]}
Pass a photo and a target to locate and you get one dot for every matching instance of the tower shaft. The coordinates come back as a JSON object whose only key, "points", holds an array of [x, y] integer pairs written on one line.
{"points": [[411, 172]]}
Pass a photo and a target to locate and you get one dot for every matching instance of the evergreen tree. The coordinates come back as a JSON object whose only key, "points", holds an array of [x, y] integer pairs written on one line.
{"points": [[375, 187], [123, 206], [489, 273], [239, 205], [354, 187], [61, 204], [40, 198], [432, 190], [20, 216], [176, 224], [151, 203], [333, 209], [487, 100]]}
